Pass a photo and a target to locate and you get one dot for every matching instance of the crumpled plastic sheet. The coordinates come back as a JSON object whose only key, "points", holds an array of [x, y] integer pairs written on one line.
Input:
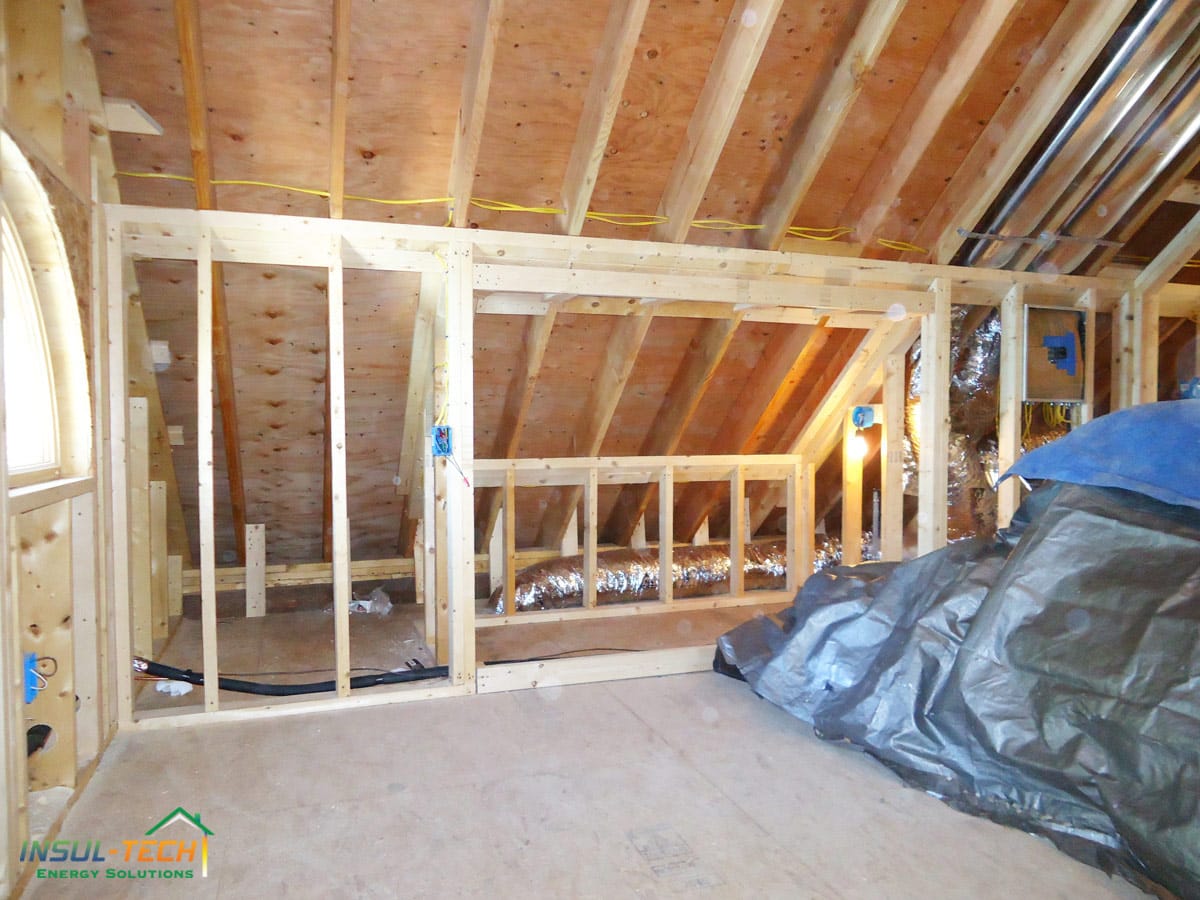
{"points": [[1049, 679]]}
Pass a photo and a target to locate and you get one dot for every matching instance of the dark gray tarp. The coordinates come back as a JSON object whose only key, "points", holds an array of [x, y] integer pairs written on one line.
{"points": [[1048, 680]]}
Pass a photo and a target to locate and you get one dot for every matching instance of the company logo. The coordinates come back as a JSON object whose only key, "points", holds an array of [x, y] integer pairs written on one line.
{"points": [[153, 856]]}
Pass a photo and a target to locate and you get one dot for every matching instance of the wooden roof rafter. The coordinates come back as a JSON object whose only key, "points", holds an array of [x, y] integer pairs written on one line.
{"points": [[477, 81], [978, 26], [811, 144], [1173, 257], [746, 33], [619, 357], [785, 360], [187, 19]]}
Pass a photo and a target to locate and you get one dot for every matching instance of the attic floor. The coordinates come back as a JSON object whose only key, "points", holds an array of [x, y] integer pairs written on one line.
{"points": [[301, 641], [686, 786]]}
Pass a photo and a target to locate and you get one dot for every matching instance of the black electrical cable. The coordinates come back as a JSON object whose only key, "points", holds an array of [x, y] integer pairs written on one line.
{"points": [[159, 670], [559, 655]]}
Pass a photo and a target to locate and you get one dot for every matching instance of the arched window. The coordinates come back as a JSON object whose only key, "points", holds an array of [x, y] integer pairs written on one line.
{"points": [[47, 407], [31, 414]]}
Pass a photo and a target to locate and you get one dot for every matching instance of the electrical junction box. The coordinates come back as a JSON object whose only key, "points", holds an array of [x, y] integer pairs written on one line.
{"points": [[441, 441], [1054, 364]]}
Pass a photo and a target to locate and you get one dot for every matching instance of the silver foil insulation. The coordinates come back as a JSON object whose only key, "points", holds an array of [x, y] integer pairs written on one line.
{"points": [[629, 576]]}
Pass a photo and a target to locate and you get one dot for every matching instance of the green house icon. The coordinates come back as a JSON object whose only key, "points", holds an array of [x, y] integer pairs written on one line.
{"points": [[179, 814]]}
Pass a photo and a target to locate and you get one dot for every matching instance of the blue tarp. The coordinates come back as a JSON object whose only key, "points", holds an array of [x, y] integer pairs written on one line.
{"points": [[1153, 449]]}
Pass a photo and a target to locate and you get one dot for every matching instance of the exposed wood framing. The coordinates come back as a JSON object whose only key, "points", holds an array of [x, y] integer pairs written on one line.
{"points": [[784, 363], [160, 618], [1188, 191], [1086, 411], [1012, 393], [934, 422], [517, 400], [1077, 37], [1173, 257], [139, 529], [420, 383], [679, 405], [187, 20], [620, 355], [891, 477], [256, 570], [811, 143], [852, 496], [337, 441], [746, 33], [611, 68], [460, 511], [338, 102], [204, 465], [590, 540], [666, 545], [978, 26], [477, 80]]}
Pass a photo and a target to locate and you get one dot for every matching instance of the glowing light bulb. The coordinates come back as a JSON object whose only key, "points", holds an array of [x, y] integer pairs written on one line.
{"points": [[857, 448]]}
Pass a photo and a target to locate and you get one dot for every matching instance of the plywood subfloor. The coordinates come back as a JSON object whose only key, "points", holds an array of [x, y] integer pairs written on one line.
{"points": [[680, 787], [301, 643]]}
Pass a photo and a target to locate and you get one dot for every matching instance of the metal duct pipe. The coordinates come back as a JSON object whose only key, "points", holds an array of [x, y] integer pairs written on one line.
{"points": [[1079, 188], [1168, 133], [1155, 70], [988, 252]]}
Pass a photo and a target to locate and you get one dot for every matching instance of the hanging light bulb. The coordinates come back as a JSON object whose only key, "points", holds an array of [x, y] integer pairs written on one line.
{"points": [[857, 448]]}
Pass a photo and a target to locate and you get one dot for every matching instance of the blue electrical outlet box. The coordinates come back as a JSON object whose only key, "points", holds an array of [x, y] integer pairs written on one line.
{"points": [[1060, 349], [1189, 390], [31, 678], [862, 416], [441, 441]]}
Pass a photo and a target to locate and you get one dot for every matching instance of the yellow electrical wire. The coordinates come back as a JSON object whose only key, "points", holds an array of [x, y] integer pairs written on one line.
{"points": [[622, 219], [902, 246]]}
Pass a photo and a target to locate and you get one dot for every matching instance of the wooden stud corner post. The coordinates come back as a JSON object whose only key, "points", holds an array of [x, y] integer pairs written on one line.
{"points": [[934, 420], [852, 491], [737, 530], [1012, 393], [891, 513], [590, 540], [337, 444], [460, 496], [666, 535], [204, 465], [256, 570]]}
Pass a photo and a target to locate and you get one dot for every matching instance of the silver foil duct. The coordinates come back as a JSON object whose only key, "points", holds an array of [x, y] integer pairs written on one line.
{"points": [[629, 576]]}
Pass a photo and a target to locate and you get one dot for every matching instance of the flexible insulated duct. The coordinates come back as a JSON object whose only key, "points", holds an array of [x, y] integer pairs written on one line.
{"points": [[627, 576]]}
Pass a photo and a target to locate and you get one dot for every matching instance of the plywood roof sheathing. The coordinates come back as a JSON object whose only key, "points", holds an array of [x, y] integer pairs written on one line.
{"points": [[187, 19], [815, 138]]}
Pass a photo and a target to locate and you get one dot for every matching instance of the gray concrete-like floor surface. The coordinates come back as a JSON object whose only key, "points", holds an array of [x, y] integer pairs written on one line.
{"points": [[687, 786]]}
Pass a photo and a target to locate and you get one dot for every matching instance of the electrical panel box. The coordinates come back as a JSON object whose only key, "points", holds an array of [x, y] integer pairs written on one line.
{"points": [[1054, 370]]}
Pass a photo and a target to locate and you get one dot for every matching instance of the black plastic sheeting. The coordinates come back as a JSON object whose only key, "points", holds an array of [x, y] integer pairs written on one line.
{"points": [[1049, 679]]}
